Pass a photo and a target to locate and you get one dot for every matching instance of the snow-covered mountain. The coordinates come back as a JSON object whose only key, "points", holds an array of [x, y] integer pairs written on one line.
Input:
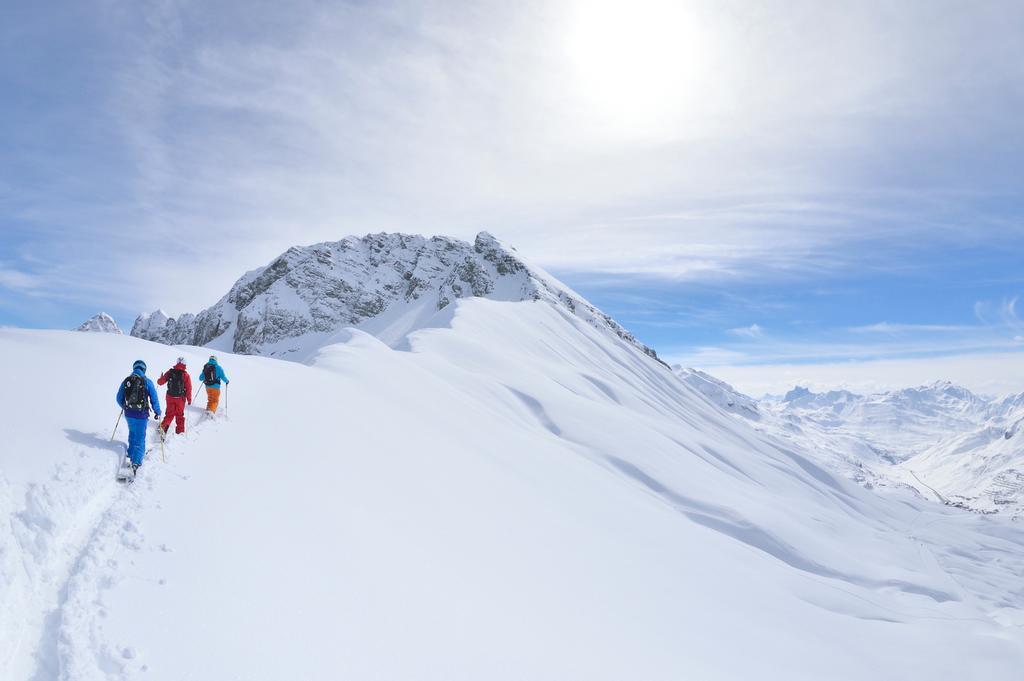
{"points": [[385, 284], [486, 474], [101, 323]]}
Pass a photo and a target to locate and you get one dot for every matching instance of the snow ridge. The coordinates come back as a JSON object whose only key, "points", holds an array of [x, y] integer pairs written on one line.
{"points": [[719, 392]]}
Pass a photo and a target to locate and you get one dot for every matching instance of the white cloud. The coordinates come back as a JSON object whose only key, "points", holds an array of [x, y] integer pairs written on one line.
{"points": [[896, 329], [708, 356], [1001, 316], [883, 340], [1009, 315], [752, 331], [1003, 312], [780, 350], [17, 280]]}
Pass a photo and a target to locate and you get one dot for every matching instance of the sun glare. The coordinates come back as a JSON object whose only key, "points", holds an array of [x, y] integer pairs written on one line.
{"points": [[636, 65]]}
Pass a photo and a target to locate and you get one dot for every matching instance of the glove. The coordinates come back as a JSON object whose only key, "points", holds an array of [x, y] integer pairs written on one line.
{"points": [[156, 416]]}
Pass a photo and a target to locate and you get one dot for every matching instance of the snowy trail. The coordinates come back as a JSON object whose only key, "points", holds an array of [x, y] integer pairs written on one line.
{"points": [[929, 487], [53, 642], [46, 594], [71, 645], [65, 518]]}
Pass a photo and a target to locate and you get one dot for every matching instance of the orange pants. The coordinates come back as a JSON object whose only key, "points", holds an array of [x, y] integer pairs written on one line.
{"points": [[212, 399]]}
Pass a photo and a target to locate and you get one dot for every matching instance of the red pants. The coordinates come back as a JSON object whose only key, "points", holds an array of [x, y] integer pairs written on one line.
{"points": [[176, 411]]}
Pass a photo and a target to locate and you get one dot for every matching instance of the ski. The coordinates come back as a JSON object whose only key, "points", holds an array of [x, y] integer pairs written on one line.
{"points": [[162, 434], [125, 472]]}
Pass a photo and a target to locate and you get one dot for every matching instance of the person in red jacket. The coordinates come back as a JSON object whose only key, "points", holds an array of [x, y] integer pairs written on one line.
{"points": [[179, 391]]}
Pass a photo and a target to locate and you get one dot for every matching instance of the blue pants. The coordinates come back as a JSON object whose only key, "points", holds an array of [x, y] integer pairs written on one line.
{"points": [[136, 438]]}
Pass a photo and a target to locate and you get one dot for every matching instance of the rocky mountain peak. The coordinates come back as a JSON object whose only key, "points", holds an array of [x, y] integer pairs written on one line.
{"points": [[100, 323], [387, 284], [798, 392]]}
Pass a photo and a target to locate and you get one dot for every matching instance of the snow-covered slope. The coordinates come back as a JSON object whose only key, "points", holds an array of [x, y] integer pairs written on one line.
{"points": [[512, 493], [102, 323], [384, 284], [719, 392]]}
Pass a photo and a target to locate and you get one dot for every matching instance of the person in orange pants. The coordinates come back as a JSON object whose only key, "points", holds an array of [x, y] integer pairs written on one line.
{"points": [[212, 399], [213, 374], [179, 391]]}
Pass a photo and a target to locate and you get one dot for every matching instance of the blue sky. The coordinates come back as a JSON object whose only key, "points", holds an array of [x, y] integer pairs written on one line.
{"points": [[770, 184]]}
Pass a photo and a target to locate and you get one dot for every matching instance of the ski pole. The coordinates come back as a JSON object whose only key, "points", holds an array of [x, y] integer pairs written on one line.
{"points": [[160, 435], [116, 424], [197, 392], [225, 398]]}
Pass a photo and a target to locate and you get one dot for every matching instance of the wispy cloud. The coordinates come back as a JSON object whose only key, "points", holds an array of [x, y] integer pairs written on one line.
{"points": [[1003, 312], [1002, 316], [18, 280], [998, 331], [897, 329], [821, 352], [752, 331]]}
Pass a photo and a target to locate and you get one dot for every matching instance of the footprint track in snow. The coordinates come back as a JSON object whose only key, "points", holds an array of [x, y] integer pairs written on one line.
{"points": [[71, 560]]}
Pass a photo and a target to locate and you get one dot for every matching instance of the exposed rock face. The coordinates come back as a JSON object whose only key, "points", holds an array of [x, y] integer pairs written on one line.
{"points": [[385, 283], [100, 323]]}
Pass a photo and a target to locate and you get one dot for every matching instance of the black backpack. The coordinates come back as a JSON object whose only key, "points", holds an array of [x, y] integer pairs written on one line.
{"points": [[136, 394], [209, 373], [176, 383]]}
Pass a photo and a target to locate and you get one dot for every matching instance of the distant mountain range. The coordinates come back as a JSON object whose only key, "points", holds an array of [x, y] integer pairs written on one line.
{"points": [[941, 439]]}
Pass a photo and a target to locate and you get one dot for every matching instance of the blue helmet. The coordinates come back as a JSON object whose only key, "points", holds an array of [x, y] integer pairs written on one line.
{"points": [[139, 364]]}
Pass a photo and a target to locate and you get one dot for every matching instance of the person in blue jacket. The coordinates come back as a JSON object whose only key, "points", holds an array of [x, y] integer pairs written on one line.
{"points": [[212, 376], [136, 396]]}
